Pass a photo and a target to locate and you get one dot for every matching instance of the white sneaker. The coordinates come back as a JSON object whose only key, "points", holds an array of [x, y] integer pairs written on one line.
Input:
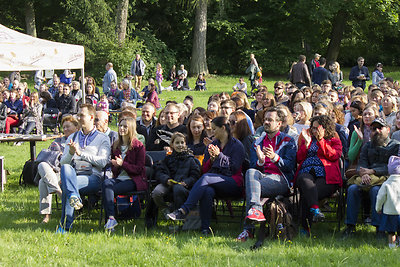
{"points": [[75, 202], [111, 223]]}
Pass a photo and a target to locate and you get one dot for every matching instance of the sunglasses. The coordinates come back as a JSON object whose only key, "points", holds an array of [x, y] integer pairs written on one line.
{"points": [[374, 128]]}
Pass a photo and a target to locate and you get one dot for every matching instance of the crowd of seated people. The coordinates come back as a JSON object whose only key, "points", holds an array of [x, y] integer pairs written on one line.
{"points": [[293, 137]]}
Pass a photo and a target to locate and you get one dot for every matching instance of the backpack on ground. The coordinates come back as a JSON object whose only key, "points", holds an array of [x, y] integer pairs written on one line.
{"points": [[29, 172], [280, 222], [128, 207]]}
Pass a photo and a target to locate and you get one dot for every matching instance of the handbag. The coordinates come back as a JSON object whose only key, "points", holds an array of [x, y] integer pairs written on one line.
{"points": [[82, 167], [51, 157]]}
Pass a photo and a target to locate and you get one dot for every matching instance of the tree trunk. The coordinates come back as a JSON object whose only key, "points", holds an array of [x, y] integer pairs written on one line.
{"points": [[122, 21], [198, 62], [336, 36], [30, 18]]}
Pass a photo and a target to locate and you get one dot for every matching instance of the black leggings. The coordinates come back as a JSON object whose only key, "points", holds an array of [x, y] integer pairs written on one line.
{"points": [[312, 189]]}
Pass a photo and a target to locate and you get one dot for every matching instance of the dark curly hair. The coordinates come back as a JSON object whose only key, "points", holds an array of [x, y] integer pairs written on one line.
{"points": [[327, 123]]}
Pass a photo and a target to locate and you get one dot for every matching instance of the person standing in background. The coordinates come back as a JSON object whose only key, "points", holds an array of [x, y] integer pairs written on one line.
{"points": [[137, 70], [377, 75], [359, 74], [314, 63], [252, 70], [110, 76], [159, 77]]}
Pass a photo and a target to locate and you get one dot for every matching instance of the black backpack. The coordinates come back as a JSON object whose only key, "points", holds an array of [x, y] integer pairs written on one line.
{"points": [[29, 172], [280, 221]]}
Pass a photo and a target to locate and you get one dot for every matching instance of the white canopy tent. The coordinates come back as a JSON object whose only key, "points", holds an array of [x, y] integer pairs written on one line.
{"points": [[22, 52]]}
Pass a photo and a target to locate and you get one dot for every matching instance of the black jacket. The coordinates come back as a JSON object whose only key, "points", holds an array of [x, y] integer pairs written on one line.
{"points": [[66, 104], [141, 129], [377, 158], [160, 136], [181, 167]]}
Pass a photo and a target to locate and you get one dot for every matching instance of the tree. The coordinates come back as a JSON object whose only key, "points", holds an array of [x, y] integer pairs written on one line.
{"points": [[30, 18], [121, 21], [198, 63]]}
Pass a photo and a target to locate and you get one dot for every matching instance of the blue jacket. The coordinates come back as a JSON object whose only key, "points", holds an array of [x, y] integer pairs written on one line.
{"points": [[355, 72], [285, 148], [16, 106], [319, 75]]}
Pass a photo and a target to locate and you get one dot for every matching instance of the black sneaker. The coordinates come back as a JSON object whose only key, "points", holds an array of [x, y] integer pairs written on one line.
{"points": [[350, 231], [205, 232], [177, 215]]}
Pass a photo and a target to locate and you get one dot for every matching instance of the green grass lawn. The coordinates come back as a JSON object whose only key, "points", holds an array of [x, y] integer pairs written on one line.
{"points": [[24, 241]]}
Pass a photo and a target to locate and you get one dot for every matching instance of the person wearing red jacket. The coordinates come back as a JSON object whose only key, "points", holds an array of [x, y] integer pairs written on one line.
{"points": [[128, 168], [318, 174]]}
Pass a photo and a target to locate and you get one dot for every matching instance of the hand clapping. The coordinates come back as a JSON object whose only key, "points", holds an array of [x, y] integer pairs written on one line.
{"points": [[306, 136], [359, 132], [269, 152], [74, 148], [213, 150], [117, 162]]}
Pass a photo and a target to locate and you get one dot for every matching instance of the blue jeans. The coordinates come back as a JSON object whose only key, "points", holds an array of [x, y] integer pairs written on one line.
{"points": [[204, 190], [74, 185], [354, 195], [260, 185], [28, 128], [112, 187]]}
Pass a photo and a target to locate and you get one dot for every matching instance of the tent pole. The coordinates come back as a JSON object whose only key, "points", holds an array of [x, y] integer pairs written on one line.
{"points": [[83, 85]]}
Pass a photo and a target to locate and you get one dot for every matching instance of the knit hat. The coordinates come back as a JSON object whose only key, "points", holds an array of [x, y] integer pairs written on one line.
{"points": [[394, 165]]}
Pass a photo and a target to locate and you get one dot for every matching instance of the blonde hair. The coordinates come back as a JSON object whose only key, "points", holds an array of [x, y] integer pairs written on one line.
{"points": [[243, 97], [131, 123], [37, 97], [337, 69], [393, 100], [307, 107]]}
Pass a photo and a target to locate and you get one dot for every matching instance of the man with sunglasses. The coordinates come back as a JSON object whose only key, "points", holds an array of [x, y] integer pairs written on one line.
{"points": [[372, 172], [279, 91]]}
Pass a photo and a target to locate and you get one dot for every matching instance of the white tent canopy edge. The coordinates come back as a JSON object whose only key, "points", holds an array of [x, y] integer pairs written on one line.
{"points": [[22, 52]]}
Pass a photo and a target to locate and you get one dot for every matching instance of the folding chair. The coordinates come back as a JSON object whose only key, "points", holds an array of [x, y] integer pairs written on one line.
{"points": [[144, 195], [51, 117], [336, 202]]}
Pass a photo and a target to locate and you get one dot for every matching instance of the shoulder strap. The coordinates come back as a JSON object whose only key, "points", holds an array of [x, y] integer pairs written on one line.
{"points": [[74, 136]]}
